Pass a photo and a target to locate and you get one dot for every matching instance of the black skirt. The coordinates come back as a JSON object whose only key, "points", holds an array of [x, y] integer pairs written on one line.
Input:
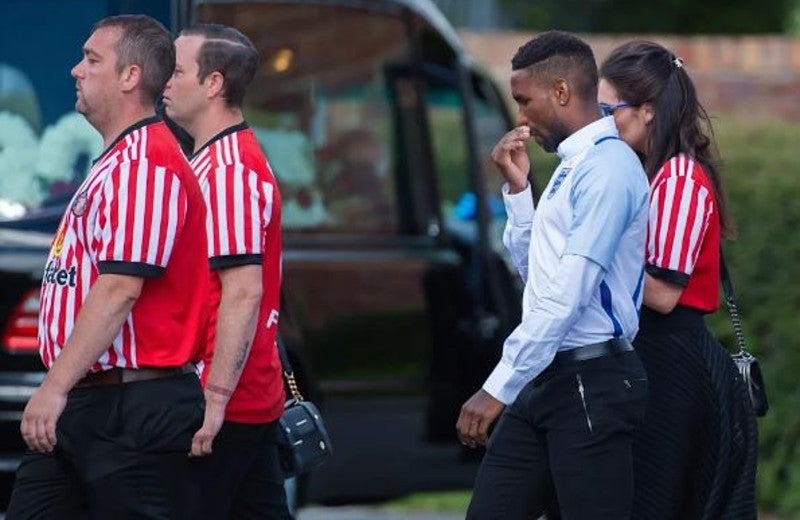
{"points": [[695, 455]]}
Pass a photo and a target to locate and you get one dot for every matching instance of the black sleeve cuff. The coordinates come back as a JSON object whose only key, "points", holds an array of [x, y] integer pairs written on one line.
{"points": [[668, 275], [225, 262], [130, 268]]}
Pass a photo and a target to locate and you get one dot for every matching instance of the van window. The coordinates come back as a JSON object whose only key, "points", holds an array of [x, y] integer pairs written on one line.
{"points": [[320, 108], [458, 202]]}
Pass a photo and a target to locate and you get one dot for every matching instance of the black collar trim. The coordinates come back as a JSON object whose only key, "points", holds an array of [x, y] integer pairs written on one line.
{"points": [[228, 131], [139, 124]]}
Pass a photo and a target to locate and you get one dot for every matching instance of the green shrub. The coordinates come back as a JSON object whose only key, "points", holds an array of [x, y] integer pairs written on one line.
{"points": [[762, 178]]}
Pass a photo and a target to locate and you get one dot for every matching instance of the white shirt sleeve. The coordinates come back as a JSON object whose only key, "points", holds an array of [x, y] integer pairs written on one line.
{"points": [[517, 234], [531, 347]]}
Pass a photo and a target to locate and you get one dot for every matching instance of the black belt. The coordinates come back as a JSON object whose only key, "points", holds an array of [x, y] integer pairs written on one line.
{"points": [[120, 376], [593, 351]]}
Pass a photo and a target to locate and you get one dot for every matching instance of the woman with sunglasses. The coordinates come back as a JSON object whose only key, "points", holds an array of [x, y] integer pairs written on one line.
{"points": [[695, 455]]}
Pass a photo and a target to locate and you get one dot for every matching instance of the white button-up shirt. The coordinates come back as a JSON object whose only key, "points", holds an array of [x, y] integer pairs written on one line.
{"points": [[580, 253]]}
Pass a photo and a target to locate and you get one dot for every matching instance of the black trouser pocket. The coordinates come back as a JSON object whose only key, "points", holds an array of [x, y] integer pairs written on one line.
{"points": [[164, 414], [612, 397]]}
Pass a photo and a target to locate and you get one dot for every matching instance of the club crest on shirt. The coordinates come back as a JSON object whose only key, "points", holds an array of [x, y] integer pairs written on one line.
{"points": [[79, 205], [559, 180]]}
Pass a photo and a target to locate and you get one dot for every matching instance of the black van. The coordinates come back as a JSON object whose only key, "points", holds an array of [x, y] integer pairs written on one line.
{"points": [[397, 294]]}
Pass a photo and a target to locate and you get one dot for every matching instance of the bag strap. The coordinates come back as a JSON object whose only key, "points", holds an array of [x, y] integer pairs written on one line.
{"points": [[730, 301], [288, 371]]}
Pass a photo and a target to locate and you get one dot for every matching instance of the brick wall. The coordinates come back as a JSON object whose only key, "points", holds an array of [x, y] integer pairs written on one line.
{"points": [[746, 76]]}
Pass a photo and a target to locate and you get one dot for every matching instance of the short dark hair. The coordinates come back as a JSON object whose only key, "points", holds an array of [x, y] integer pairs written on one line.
{"points": [[229, 52], [556, 53], [146, 43]]}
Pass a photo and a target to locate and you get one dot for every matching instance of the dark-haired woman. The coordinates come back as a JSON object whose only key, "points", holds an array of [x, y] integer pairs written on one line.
{"points": [[695, 456]]}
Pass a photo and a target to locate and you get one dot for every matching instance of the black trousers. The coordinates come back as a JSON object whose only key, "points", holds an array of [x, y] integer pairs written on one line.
{"points": [[243, 478], [121, 453], [569, 430]]}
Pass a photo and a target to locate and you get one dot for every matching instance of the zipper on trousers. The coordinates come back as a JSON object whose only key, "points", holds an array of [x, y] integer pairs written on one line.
{"points": [[582, 393]]}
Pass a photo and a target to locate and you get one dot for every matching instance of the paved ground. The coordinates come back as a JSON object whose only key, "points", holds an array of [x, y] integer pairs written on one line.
{"points": [[359, 513], [367, 513]]}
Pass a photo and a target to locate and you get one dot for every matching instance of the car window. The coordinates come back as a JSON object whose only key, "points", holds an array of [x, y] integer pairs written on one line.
{"points": [[321, 109], [458, 201]]}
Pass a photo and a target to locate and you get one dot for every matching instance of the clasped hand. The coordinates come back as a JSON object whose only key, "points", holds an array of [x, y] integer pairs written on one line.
{"points": [[477, 414]]}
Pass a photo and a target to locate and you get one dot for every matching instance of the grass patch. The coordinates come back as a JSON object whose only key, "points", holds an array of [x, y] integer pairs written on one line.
{"points": [[438, 502]]}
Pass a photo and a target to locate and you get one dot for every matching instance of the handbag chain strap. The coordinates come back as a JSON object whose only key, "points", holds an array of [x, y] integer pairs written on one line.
{"points": [[288, 372], [730, 301]]}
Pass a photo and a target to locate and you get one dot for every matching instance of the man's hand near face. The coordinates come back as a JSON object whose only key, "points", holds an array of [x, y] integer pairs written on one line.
{"points": [[511, 156]]}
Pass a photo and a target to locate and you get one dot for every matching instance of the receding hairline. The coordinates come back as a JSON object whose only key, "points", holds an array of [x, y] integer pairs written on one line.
{"points": [[218, 33], [205, 40], [224, 41], [213, 39], [117, 28]]}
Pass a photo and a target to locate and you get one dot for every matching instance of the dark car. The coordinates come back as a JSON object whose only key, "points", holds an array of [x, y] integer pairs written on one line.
{"points": [[396, 295]]}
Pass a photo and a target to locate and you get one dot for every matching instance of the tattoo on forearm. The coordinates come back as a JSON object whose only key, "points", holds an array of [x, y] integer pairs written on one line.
{"points": [[242, 356], [219, 390]]}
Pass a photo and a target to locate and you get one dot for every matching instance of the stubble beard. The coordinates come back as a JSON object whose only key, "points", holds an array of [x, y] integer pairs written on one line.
{"points": [[558, 135]]}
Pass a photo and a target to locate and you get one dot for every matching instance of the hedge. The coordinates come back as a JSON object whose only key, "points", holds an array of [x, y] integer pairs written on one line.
{"points": [[762, 179]]}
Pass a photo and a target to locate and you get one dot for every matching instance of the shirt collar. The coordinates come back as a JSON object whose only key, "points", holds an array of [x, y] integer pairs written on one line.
{"points": [[228, 131], [139, 124], [586, 137]]}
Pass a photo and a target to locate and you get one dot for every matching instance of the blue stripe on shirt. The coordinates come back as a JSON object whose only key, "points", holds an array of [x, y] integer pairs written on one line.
{"points": [[605, 300], [606, 138], [638, 287]]}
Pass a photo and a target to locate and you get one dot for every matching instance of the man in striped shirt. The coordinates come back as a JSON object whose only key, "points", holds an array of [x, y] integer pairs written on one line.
{"points": [[243, 385], [123, 305]]}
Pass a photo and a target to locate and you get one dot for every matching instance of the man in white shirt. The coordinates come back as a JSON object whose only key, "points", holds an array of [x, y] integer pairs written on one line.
{"points": [[573, 387]]}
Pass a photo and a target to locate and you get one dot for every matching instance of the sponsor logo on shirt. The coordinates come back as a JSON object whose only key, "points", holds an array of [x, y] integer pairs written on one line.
{"points": [[64, 277]]}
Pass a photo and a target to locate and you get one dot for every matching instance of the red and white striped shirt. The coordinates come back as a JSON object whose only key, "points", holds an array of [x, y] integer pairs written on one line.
{"points": [[243, 227], [683, 237], [139, 212]]}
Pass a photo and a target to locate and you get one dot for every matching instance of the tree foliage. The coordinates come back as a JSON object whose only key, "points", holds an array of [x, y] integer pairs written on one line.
{"points": [[664, 16]]}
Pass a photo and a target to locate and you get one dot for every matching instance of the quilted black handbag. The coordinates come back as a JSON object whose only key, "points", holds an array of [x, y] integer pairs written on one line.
{"points": [[304, 442], [745, 362]]}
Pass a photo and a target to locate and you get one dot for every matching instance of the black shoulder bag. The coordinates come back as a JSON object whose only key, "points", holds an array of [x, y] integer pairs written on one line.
{"points": [[304, 442], [745, 362]]}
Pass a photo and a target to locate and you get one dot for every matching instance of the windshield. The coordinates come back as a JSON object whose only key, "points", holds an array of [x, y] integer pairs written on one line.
{"points": [[320, 107]]}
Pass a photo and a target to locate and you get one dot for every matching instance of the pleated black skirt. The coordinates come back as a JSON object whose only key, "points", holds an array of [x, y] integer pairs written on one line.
{"points": [[695, 455]]}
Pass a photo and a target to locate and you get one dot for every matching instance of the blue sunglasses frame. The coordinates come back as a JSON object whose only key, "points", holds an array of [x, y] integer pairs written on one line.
{"points": [[608, 110]]}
